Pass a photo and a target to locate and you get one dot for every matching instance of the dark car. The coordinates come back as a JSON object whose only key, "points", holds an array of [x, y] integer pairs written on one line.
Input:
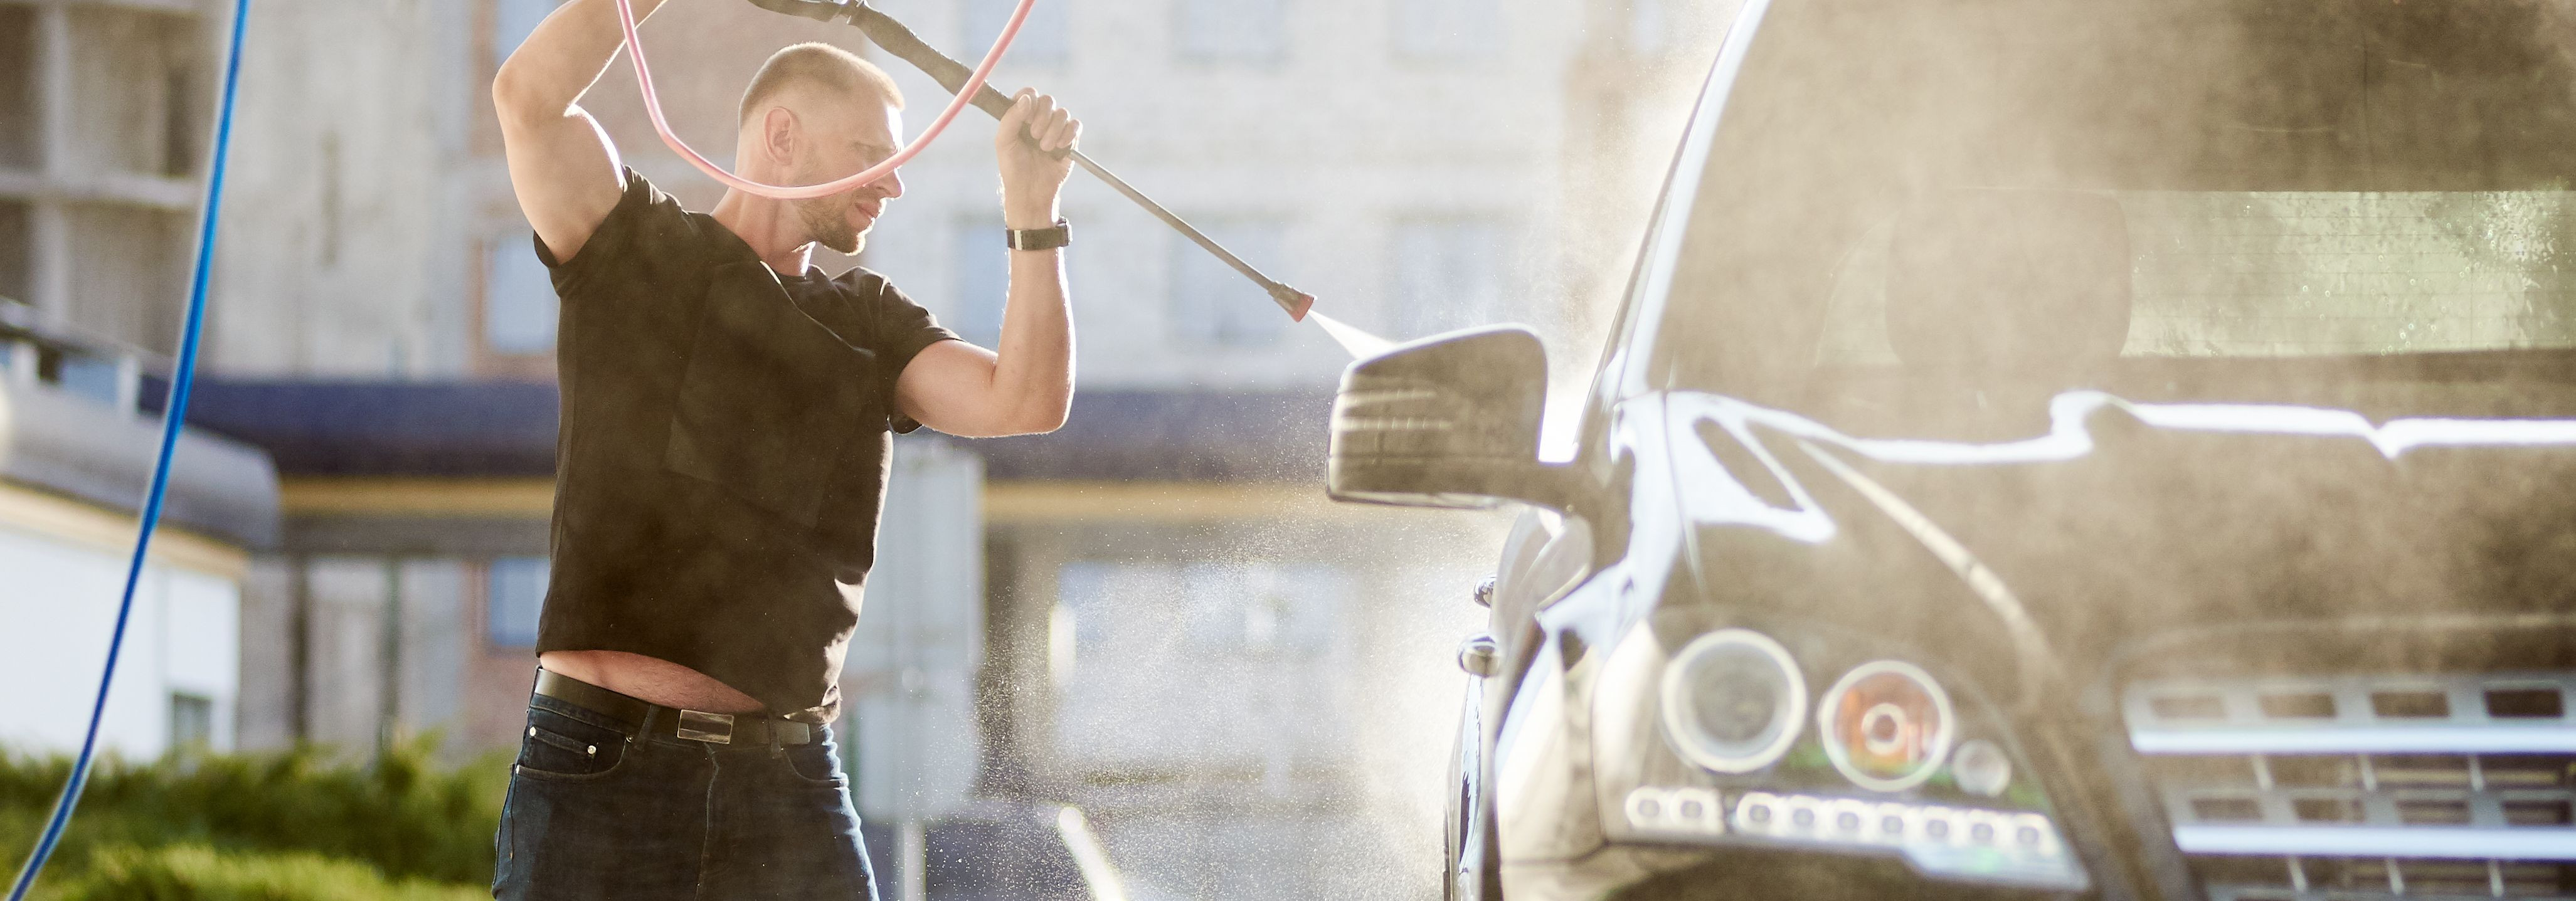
{"points": [[2050, 447]]}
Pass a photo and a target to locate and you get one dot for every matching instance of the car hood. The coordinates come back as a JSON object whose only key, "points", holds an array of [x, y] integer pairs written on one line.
{"points": [[2128, 518]]}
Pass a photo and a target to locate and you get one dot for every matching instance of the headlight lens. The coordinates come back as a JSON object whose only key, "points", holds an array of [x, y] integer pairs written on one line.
{"points": [[1887, 725], [1733, 701]]}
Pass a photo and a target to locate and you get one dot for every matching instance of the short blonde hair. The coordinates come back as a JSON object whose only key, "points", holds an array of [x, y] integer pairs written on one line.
{"points": [[816, 63]]}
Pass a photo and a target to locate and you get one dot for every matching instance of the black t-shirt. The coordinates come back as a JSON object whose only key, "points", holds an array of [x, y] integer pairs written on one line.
{"points": [[722, 457]]}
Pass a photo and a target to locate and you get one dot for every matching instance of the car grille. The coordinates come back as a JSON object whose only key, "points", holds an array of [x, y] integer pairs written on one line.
{"points": [[2362, 787]]}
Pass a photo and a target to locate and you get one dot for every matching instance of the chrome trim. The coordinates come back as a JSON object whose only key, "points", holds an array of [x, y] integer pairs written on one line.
{"points": [[2491, 739], [2448, 843], [2242, 725], [2327, 771]]}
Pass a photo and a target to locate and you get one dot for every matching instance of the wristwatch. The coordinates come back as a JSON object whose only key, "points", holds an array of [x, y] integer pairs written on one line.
{"points": [[1039, 238]]}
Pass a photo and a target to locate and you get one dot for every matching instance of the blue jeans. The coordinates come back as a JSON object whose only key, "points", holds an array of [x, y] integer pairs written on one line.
{"points": [[595, 812]]}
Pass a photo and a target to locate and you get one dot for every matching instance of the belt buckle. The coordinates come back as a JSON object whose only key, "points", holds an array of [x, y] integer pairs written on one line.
{"points": [[715, 728]]}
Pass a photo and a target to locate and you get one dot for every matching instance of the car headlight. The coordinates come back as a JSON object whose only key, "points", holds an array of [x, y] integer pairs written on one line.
{"points": [[1891, 762], [1733, 701], [1887, 725]]}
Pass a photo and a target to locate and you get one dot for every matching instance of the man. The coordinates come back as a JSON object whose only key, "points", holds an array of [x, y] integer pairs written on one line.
{"points": [[726, 411]]}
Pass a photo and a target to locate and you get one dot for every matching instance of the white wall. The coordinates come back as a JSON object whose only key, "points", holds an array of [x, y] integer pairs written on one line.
{"points": [[57, 608], [908, 684]]}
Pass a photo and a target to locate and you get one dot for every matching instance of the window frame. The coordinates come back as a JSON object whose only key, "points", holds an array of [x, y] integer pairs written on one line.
{"points": [[490, 360], [489, 572], [1189, 49]]}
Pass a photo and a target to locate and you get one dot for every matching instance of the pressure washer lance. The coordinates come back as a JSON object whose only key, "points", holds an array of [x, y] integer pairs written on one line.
{"points": [[951, 74]]}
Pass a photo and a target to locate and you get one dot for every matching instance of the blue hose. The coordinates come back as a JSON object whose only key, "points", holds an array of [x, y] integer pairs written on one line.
{"points": [[172, 419]]}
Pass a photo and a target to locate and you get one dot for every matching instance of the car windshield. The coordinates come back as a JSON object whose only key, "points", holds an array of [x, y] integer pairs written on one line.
{"points": [[1921, 209]]}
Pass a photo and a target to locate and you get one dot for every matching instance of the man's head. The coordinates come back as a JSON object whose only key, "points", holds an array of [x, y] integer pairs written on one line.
{"points": [[814, 113]]}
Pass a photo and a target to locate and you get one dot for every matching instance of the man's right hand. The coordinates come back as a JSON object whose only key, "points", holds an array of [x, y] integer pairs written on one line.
{"points": [[562, 165]]}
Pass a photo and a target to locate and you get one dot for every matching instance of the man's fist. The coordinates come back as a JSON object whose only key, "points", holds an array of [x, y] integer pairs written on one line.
{"points": [[1035, 145]]}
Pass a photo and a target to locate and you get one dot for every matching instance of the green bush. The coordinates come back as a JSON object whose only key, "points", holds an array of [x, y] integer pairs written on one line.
{"points": [[399, 818], [200, 873]]}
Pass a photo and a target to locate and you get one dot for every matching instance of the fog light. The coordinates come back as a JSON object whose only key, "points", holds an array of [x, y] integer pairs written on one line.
{"points": [[1980, 768], [1733, 701], [1886, 725]]}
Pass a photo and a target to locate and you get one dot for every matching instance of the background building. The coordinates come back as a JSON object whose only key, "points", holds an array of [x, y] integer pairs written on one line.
{"points": [[1153, 613], [101, 115]]}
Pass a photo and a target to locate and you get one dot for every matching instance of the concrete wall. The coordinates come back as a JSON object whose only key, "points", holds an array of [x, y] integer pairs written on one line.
{"points": [[349, 223], [104, 178]]}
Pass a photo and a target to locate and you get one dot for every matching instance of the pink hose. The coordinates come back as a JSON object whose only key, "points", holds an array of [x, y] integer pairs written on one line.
{"points": [[653, 108]]}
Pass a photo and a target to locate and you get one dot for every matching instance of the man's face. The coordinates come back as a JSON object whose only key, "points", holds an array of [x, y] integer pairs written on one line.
{"points": [[842, 138]]}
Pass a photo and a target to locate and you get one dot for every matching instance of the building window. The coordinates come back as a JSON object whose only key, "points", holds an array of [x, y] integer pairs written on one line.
{"points": [[1043, 40], [137, 114], [1233, 31], [1213, 304], [983, 279], [179, 112], [192, 721], [518, 299], [1447, 30], [513, 21], [514, 592], [500, 26], [17, 274], [97, 379], [1448, 275], [18, 131]]}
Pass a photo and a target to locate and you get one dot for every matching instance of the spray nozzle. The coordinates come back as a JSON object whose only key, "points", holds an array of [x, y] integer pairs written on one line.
{"points": [[1294, 301]]}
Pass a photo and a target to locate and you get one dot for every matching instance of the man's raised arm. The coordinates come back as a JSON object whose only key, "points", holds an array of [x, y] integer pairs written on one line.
{"points": [[562, 165]]}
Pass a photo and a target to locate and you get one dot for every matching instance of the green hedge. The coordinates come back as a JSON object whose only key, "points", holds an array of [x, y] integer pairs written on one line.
{"points": [[200, 873], [238, 826]]}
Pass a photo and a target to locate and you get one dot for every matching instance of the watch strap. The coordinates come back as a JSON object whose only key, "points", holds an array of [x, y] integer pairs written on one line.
{"points": [[1048, 238]]}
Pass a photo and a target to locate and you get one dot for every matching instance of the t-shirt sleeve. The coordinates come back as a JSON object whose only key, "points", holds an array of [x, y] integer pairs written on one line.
{"points": [[619, 237], [902, 328]]}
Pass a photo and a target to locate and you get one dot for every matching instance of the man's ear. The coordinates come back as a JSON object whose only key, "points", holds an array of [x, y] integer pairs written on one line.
{"points": [[778, 135]]}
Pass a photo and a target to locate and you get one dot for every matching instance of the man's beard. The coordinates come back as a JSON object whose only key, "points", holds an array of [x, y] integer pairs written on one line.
{"points": [[827, 222]]}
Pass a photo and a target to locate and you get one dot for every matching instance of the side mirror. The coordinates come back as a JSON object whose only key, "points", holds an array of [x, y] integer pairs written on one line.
{"points": [[1447, 421]]}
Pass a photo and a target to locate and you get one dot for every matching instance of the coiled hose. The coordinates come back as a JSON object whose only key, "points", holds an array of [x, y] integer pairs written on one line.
{"points": [[653, 108]]}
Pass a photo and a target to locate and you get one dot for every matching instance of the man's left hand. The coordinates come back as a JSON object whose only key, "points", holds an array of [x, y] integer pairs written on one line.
{"points": [[1035, 144]]}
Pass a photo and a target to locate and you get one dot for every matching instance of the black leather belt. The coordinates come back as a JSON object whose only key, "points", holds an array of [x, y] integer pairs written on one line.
{"points": [[648, 718]]}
